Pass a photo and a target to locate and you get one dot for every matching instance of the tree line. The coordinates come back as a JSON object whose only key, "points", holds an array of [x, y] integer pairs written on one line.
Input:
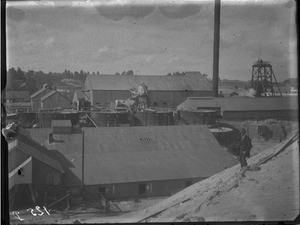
{"points": [[32, 80]]}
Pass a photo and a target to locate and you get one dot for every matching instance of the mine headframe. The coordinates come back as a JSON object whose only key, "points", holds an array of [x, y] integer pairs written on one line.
{"points": [[263, 79]]}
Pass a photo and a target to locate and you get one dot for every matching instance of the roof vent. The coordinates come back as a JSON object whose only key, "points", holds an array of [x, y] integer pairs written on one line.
{"points": [[61, 126], [147, 139]]}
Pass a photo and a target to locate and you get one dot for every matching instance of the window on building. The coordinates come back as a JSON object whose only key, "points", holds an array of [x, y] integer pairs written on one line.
{"points": [[142, 188], [188, 183]]}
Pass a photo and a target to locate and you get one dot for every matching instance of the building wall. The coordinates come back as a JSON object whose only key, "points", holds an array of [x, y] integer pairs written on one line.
{"points": [[15, 158], [45, 119], [104, 98], [54, 101], [173, 98], [161, 98], [132, 190], [35, 105], [44, 178], [260, 115]]}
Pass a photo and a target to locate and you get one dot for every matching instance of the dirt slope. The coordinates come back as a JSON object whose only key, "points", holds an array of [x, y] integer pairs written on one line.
{"points": [[272, 193]]}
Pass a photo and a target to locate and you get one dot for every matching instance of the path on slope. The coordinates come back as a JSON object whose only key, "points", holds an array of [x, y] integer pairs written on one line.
{"points": [[272, 193]]}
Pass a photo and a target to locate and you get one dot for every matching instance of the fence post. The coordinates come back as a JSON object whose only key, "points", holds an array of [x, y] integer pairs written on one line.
{"points": [[45, 199]]}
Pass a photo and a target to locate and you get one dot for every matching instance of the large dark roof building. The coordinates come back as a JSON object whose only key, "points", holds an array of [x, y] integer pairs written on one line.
{"points": [[163, 90], [124, 159]]}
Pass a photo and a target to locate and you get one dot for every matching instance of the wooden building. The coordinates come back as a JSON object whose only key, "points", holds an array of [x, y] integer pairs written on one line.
{"points": [[53, 100], [35, 98], [135, 162], [48, 99], [164, 91], [33, 170]]}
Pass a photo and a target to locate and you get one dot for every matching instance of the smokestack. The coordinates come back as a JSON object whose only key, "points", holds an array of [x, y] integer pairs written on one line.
{"points": [[51, 138], [82, 166], [216, 47]]}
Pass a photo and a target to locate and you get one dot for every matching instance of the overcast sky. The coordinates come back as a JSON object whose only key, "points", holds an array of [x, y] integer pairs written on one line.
{"points": [[151, 39]]}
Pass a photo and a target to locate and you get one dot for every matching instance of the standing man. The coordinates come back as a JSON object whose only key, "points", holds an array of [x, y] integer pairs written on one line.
{"points": [[245, 148]]}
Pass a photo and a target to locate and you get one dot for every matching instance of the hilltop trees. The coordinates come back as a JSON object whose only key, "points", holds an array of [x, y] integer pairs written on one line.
{"points": [[18, 80]]}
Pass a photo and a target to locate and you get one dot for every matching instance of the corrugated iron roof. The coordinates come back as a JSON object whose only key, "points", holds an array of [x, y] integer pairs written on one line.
{"points": [[44, 88], [117, 154], [242, 103], [61, 123], [52, 92], [47, 95], [174, 83]]}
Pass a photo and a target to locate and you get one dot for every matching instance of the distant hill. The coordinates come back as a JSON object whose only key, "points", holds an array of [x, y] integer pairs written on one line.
{"points": [[293, 82]]}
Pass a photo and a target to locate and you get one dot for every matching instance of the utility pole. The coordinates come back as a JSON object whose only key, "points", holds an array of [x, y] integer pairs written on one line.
{"points": [[82, 166], [216, 47]]}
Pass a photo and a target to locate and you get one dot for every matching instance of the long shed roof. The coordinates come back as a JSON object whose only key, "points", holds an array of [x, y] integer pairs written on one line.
{"points": [[52, 92], [40, 92], [134, 154], [241, 103], [189, 82]]}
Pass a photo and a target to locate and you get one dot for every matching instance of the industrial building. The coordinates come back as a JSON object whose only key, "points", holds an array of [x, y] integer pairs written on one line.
{"points": [[133, 162], [246, 108], [164, 91]]}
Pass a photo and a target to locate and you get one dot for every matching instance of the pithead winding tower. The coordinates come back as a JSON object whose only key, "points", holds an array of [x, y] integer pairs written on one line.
{"points": [[263, 79]]}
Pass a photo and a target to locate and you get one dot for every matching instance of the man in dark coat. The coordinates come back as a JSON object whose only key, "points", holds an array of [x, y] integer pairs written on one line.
{"points": [[245, 148]]}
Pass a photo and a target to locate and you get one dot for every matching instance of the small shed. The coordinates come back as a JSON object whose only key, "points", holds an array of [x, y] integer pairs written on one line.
{"points": [[61, 126]]}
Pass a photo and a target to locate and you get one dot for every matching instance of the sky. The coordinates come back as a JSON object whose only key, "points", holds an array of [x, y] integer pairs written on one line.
{"points": [[151, 38]]}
